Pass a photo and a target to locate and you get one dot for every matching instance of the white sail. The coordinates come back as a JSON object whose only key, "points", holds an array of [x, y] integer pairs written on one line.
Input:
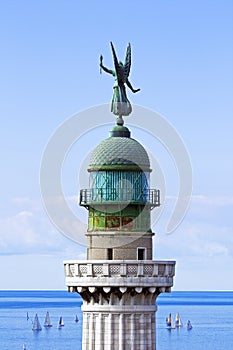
{"points": [[36, 324], [61, 323], [178, 322], [47, 322], [169, 322]]}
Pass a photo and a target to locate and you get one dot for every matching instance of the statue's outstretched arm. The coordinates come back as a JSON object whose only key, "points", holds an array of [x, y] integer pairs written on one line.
{"points": [[130, 86], [105, 68]]}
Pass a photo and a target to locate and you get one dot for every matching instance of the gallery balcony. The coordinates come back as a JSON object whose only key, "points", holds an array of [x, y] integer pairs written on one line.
{"points": [[119, 273], [89, 197]]}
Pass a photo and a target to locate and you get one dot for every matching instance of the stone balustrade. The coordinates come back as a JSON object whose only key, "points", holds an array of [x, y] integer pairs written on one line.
{"points": [[119, 273], [111, 268]]}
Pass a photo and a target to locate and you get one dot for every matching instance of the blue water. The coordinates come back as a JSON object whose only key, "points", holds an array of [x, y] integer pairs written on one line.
{"points": [[211, 314]]}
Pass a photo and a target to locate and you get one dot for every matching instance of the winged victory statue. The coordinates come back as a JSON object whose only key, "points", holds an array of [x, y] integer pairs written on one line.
{"points": [[120, 104]]}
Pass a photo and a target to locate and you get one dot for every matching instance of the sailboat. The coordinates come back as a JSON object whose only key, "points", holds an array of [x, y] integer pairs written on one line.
{"points": [[178, 322], [27, 316], [47, 322], [76, 319], [189, 325], [169, 322], [36, 324], [61, 323], [24, 347]]}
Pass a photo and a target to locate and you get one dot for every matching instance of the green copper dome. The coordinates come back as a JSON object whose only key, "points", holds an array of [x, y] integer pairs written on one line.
{"points": [[119, 153]]}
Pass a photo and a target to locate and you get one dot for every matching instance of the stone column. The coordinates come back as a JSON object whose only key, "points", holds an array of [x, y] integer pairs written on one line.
{"points": [[122, 322]]}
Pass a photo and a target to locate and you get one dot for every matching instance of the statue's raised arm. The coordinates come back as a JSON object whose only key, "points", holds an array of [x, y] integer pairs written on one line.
{"points": [[105, 68], [120, 103]]}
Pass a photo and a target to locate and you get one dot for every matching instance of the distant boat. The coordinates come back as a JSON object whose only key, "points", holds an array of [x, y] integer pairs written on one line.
{"points": [[60, 323], [27, 316], [178, 322], [169, 322], [189, 325], [76, 319], [47, 322], [36, 324], [24, 347]]}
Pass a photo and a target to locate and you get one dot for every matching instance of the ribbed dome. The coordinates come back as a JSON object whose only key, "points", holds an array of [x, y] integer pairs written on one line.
{"points": [[121, 152]]}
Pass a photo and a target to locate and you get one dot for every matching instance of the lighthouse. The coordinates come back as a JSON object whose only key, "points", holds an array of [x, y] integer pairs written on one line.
{"points": [[119, 281]]}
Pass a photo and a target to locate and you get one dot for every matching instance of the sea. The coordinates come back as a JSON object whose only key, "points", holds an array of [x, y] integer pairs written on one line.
{"points": [[211, 315]]}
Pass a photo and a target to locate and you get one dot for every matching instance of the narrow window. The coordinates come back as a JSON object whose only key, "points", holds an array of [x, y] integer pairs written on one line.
{"points": [[109, 254], [141, 253]]}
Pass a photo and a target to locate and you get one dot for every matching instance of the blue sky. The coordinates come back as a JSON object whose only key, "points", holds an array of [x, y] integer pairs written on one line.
{"points": [[183, 63]]}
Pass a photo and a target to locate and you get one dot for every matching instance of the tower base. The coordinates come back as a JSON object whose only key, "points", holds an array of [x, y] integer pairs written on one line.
{"points": [[123, 320], [119, 300]]}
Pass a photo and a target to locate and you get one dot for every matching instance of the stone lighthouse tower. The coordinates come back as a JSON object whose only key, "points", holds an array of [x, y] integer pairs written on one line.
{"points": [[119, 282]]}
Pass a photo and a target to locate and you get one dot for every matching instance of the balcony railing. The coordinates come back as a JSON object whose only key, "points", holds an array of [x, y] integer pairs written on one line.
{"points": [[111, 268], [111, 196]]}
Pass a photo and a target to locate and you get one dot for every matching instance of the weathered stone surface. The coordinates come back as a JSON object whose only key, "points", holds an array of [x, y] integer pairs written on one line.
{"points": [[119, 300]]}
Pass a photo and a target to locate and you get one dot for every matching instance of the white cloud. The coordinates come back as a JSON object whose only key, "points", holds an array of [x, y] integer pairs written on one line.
{"points": [[215, 201], [202, 245], [21, 200], [28, 230], [217, 249], [196, 239]]}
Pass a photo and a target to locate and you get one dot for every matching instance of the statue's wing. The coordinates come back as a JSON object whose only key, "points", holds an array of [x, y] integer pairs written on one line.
{"points": [[127, 64], [116, 64], [122, 72]]}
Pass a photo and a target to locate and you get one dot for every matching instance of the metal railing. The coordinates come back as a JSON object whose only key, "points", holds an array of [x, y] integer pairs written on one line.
{"points": [[111, 195]]}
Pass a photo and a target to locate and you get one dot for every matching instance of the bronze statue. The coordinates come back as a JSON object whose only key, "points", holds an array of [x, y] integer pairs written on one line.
{"points": [[120, 103]]}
